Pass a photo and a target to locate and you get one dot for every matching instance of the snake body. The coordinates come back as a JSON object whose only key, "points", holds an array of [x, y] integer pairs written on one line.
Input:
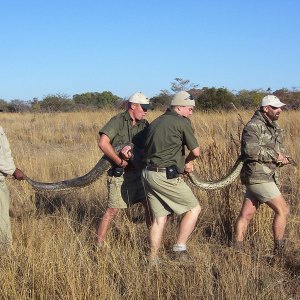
{"points": [[104, 163], [218, 184], [101, 166]]}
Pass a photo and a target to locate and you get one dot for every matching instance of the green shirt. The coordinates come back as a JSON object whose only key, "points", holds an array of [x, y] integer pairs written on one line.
{"points": [[119, 129], [166, 140]]}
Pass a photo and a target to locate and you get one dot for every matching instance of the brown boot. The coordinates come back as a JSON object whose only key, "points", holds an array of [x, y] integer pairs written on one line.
{"points": [[279, 248]]}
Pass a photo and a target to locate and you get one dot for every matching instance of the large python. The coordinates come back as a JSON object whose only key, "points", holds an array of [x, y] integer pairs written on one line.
{"points": [[104, 163]]}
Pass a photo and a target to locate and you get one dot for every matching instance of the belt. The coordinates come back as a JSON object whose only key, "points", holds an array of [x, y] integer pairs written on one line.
{"points": [[155, 169]]}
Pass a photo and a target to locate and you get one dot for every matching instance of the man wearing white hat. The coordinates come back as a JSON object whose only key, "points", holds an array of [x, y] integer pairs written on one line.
{"points": [[263, 152], [125, 186], [166, 160]]}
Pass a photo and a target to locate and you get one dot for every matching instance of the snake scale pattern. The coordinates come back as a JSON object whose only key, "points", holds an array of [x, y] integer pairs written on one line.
{"points": [[104, 163]]}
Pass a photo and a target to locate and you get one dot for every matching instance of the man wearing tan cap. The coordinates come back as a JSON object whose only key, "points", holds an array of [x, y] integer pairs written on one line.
{"points": [[263, 152], [7, 167], [125, 185], [166, 159]]}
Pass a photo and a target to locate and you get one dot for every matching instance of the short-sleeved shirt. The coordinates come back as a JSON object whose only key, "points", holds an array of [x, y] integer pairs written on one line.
{"points": [[119, 129], [166, 140], [127, 189]]}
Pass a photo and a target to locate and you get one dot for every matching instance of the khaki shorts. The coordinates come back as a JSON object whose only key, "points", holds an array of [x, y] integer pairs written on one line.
{"points": [[168, 195], [125, 190], [262, 192]]}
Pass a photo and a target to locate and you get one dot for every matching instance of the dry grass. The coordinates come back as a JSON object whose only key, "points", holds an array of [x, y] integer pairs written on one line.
{"points": [[53, 255]]}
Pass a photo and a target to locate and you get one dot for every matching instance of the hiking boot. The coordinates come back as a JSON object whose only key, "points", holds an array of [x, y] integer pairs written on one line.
{"points": [[153, 261], [183, 256]]}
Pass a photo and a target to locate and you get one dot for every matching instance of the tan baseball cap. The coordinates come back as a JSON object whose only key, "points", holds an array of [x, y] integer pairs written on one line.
{"points": [[272, 101], [141, 99], [183, 98]]}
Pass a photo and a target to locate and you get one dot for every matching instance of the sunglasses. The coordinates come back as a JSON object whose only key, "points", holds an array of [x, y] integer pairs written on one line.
{"points": [[273, 107]]}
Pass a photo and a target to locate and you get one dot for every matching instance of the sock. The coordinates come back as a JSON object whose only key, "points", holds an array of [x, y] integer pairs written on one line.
{"points": [[179, 247]]}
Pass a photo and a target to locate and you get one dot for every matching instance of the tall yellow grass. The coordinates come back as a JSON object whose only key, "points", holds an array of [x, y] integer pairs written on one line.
{"points": [[53, 255]]}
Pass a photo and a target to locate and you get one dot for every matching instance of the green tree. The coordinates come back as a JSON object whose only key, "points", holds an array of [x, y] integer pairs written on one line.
{"points": [[249, 99], [98, 100], [3, 105], [215, 99], [57, 102]]}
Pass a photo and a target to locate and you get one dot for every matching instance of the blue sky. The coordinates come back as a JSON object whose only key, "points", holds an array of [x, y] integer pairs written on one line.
{"points": [[72, 47]]}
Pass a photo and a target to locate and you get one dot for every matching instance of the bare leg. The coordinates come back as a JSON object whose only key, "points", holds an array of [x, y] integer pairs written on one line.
{"points": [[187, 224], [105, 222], [156, 233], [248, 210], [281, 209]]}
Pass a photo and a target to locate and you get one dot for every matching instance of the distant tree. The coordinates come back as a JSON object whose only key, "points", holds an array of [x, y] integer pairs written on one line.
{"points": [[165, 96], [3, 105], [249, 99], [57, 102], [291, 98], [18, 106], [215, 99], [181, 84], [35, 105], [98, 100], [162, 101]]}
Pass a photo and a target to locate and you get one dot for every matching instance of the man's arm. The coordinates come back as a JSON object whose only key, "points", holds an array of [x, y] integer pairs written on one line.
{"points": [[106, 147], [189, 160]]}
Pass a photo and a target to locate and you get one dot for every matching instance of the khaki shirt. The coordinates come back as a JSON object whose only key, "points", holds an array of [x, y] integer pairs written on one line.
{"points": [[7, 165], [119, 129], [166, 140], [262, 141]]}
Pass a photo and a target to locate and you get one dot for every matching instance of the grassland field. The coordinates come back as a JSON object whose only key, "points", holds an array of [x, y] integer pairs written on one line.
{"points": [[54, 257]]}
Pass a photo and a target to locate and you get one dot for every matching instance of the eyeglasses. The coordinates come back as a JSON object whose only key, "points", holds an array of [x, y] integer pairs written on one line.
{"points": [[144, 109], [273, 107]]}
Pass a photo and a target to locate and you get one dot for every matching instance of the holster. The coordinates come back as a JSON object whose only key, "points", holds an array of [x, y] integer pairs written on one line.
{"points": [[172, 172]]}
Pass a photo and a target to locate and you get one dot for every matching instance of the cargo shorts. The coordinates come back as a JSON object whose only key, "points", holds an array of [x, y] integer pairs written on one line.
{"points": [[125, 190], [168, 196], [262, 192]]}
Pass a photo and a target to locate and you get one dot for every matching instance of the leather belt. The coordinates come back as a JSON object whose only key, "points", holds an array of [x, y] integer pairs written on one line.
{"points": [[155, 169]]}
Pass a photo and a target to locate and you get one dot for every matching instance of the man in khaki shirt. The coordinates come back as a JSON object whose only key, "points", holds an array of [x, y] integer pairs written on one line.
{"points": [[7, 167], [125, 186], [167, 139]]}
